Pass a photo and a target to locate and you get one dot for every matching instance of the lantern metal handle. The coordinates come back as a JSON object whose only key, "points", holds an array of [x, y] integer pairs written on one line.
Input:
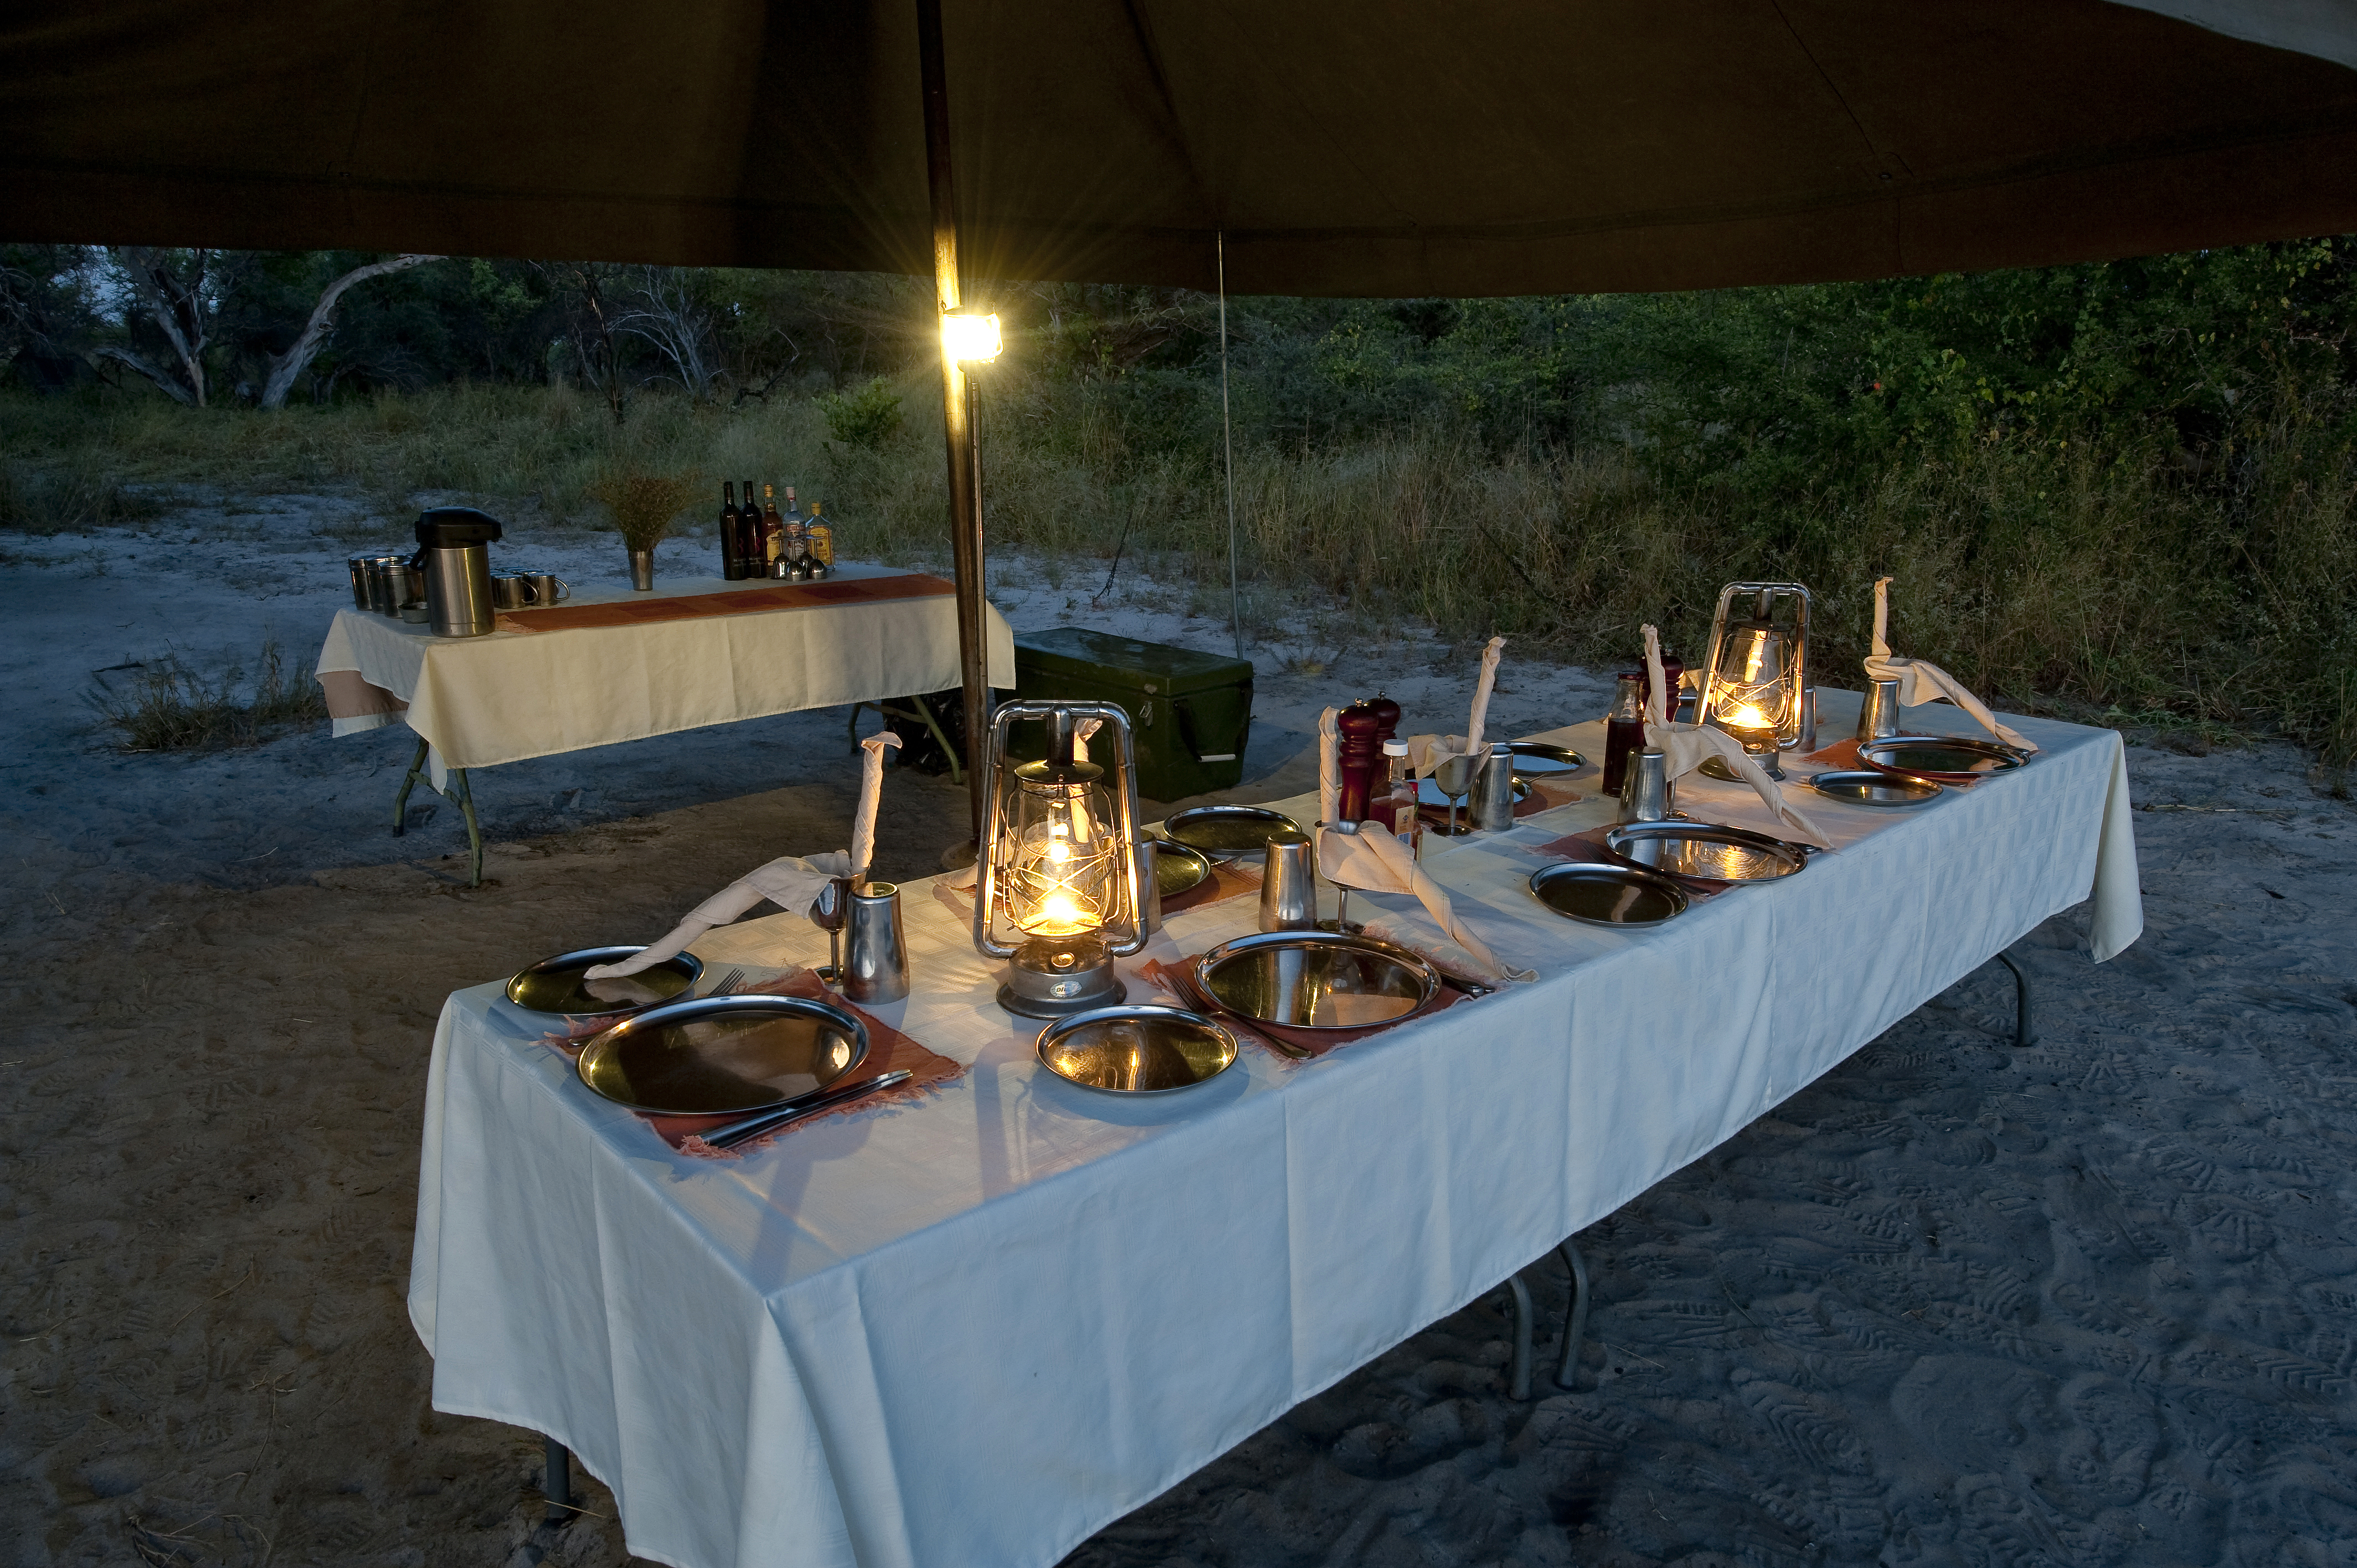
{"points": [[1062, 718], [1726, 597]]}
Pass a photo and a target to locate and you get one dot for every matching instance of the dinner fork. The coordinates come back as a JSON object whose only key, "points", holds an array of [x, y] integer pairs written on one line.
{"points": [[728, 983]]}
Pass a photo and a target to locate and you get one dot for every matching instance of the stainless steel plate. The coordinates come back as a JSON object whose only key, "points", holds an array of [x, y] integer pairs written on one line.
{"points": [[1608, 894], [1939, 758], [1178, 868], [1136, 1050], [1706, 850], [1868, 786], [1536, 759], [1225, 832], [555, 986], [724, 1054], [1317, 980], [1427, 792]]}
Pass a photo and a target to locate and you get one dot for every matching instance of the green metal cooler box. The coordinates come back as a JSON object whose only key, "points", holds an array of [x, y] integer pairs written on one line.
{"points": [[1190, 713]]}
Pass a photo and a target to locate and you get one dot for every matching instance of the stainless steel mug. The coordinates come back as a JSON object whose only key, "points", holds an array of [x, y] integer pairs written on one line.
{"points": [[1647, 793], [510, 592], [1493, 805], [547, 587], [359, 564], [876, 959], [1877, 712], [1288, 885], [388, 580]]}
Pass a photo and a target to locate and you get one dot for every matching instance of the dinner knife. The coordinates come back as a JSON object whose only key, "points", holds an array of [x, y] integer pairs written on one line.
{"points": [[771, 1121]]}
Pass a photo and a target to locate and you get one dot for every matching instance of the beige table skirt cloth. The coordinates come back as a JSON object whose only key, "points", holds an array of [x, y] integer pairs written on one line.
{"points": [[509, 695]]}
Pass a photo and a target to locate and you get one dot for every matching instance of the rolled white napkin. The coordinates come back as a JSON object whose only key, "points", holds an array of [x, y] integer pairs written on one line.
{"points": [[1919, 683], [871, 792], [1480, 714], [1330, 767], [793, 883], [1375, 862], [1687, 746]]}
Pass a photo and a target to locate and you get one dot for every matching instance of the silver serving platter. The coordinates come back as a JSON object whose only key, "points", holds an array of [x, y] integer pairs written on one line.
{"points": [[1600, 895], [724, 1054], [1706, 850], [1317, 980], [1136, 1050], [1225, 833], [1871, 787], [1178, 868], [1940, 758], [555, 986]]}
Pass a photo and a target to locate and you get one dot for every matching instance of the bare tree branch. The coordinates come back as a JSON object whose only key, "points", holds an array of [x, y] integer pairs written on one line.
{"points": [[286, 367], [170, 384]]}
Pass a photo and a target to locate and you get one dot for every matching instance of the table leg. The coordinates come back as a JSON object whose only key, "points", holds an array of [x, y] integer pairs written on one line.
{"points": [[2025, 1031], [1518, 1377], [1575, 1319], [559, 1486], [465, 796], [408, 782]]}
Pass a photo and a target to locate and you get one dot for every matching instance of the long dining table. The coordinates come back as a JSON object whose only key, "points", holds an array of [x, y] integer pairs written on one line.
{"points": [[977, 1326]]}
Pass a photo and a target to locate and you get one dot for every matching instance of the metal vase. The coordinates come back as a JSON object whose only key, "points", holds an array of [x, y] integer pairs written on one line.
{"points": [[1647, 794], [1493, 805], [1288, 885], [1877, 711], [643, 570], [876, 959]]}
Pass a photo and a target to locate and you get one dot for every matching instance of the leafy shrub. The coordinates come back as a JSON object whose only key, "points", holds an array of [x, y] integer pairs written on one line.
{"points": [[167, 706], [863, 418]]}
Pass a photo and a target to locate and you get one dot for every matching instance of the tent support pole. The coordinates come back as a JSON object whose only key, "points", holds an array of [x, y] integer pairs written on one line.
{"points": [[957, 416]]}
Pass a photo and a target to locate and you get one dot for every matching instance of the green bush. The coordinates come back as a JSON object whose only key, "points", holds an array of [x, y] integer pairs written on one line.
{"points": [[863, 418]]}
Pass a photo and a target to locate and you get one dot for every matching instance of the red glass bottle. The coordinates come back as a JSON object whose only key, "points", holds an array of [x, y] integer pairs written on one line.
{"points": [[1624, 729]]}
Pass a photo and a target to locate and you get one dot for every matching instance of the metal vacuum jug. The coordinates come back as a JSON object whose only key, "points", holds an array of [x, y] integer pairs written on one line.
{"points": [[457, 568]]}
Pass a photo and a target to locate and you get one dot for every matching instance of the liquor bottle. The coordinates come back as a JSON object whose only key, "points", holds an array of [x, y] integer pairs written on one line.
{"points": [[821, 533], [1358, 761], [1624, 730], [793, 507], [773, 535], [1399, 813], [732, 563], [748, 531]]}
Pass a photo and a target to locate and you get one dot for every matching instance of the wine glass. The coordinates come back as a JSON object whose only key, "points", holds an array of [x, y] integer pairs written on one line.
{"points": [[1453, 776]]}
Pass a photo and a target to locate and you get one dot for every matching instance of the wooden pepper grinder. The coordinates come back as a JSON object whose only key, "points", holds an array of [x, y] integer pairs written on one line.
{"points": [[1361, 760], [1387, 718]]}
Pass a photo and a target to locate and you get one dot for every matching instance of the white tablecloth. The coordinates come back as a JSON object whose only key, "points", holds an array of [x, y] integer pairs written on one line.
{"points": [[977, 1329], [481, 701]]}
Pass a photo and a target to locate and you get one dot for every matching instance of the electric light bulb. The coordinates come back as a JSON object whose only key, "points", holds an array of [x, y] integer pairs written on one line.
{"points": [[969, 338]]}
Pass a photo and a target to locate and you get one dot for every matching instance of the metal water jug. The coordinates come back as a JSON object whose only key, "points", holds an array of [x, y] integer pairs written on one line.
{"points": [[457, 562]]}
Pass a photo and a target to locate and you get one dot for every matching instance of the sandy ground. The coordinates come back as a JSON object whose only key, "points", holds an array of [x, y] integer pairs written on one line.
{"points": [[2095, 1301]]}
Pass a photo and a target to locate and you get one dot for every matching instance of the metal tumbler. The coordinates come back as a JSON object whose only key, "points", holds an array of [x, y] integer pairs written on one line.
{"points": [[1808, 741], [1288, 885], [1647, 795], [1149, 889], [876, 959], [359, 565], [1493, 805], [1877, 712]]}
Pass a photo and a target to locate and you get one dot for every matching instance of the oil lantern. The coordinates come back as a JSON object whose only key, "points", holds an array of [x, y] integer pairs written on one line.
{"points": [[1057, 892], [1756, 680]]}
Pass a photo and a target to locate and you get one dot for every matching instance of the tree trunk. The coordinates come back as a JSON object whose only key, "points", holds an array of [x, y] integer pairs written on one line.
{"points": [[171, 387], [292, 364]]}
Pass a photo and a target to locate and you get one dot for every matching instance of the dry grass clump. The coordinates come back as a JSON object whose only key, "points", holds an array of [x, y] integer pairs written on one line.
{"points": [[643, 505], [165, 706]]}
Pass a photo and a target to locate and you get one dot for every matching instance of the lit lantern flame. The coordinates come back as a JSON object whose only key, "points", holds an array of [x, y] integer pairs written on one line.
{"points": [[1062, 876], [969, 338], [1748, 717]]}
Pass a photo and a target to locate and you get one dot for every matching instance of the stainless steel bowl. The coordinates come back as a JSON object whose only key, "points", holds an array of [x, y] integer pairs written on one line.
{"points": [[555, 986], [1223, 832], [1599, 894], [1136, 1050], [1706, 850], [1317, 980], [724, 1054]]}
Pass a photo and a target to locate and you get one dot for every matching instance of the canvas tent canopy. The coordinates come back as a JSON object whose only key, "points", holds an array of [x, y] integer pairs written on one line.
{"points": [[1370, 148]]}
